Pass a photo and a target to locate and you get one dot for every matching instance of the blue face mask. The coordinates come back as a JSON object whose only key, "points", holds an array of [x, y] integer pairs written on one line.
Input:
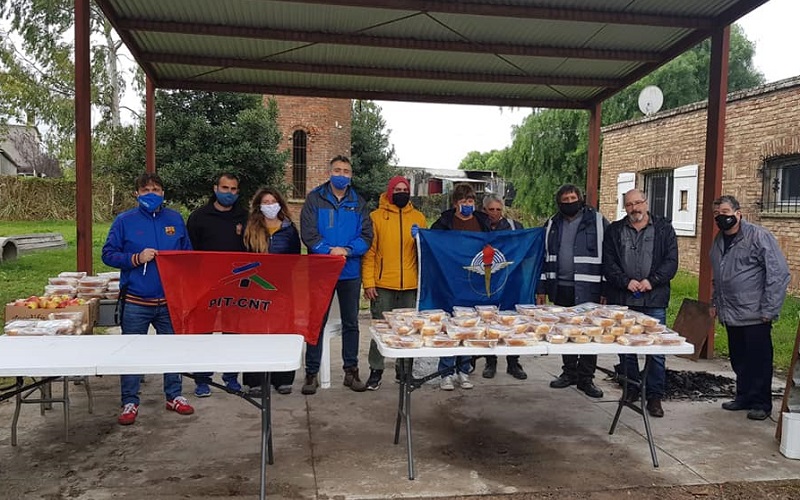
{"points": [[226, 199], [150, 201], [340, 181], [466, 210]]}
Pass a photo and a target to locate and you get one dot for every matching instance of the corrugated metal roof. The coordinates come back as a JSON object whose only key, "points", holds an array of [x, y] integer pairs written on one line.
{"points": [[556, 53]]}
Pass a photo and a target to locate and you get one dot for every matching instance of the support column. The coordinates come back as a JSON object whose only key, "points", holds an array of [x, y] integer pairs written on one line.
{"points": [[712, 169], [83, 137], [150, 125], [593, 166]]}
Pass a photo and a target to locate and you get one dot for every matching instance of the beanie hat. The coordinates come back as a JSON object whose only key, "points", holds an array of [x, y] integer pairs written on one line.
{"points": [[393, 182]]}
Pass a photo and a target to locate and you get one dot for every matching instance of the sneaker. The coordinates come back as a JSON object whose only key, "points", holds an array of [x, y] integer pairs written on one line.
{"points": [[180, 406], [232, 385], [310, 387], [447, 383], [284, 389], [463, 381], [202, 390], [374, 380], [128, 415]]}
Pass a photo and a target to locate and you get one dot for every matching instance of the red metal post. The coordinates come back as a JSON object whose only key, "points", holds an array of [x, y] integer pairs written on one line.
{"points": [[150, 125], [712, 174], [593, 166], [83, 137]]}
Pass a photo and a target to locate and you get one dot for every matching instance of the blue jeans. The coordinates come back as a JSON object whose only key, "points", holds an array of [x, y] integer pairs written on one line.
{"points": [[349, 292], [657, 376], [135, 321], [447, 366]]}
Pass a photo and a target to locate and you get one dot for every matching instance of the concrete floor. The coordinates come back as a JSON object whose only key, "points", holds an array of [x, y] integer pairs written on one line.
{"points": [[504, 436]]}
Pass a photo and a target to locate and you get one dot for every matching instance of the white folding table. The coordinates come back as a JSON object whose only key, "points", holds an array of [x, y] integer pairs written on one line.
{"points": [[57, 356], [408, 383]]}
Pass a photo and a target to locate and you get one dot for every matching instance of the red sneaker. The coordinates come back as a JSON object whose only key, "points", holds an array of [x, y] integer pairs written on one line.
{"points": [[180, 405], [128, 415]]}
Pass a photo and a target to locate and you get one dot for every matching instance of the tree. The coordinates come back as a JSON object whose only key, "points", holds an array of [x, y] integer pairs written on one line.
{"points": [[37, 73], [200, 135], [371, 151], [550, 147], [475, 160]]}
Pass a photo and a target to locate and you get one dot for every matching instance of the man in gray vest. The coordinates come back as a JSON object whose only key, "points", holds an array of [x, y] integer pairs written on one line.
{"points": [[572, 273]]}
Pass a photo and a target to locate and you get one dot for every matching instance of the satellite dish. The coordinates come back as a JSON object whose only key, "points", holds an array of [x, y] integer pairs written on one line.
{"points": [[650, 100]]}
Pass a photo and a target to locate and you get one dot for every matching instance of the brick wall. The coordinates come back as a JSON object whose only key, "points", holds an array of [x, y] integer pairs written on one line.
{"points": [[327, 123], [761, 123]]}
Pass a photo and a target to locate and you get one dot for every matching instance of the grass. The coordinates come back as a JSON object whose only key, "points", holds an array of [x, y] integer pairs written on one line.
{"points": [[28, 275]]}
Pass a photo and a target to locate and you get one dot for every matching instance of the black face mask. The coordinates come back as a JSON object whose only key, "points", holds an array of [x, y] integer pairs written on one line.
{"points": [[400, 199], [725, 222], [570, 209]]}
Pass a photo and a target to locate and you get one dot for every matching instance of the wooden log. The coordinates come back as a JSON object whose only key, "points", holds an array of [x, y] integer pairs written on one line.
{"points": [[39, 241]]}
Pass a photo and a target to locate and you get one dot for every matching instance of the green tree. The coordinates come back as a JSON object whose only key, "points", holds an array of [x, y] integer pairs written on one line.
{"points": [[37, 73], [475, 160], [550, 147], [200, 135], [372, 154]]}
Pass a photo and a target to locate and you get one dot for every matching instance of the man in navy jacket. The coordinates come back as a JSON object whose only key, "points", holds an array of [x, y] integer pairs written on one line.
{"points": [[335, 221], [133, 242]]}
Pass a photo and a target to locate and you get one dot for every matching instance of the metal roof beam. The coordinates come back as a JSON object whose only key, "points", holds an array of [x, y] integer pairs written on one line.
{"points": [[216, 86], [529, 12], [417, 74], [364, 40]]}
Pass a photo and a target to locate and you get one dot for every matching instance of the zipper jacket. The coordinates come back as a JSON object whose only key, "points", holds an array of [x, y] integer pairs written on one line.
{"points": [[391, 261], [133, 231]]}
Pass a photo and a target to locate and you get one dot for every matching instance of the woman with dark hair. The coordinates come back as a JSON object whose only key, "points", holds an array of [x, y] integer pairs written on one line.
{"points": [[270, 230]]}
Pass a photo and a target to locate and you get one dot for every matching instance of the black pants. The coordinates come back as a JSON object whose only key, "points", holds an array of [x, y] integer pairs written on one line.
{"points": [[579, 368], [276, 380], [750, 349], [492, 360]]}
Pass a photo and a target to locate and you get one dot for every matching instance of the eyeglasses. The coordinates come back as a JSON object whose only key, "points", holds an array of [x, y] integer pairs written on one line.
{"points": [[632, 204], [494, 209]]}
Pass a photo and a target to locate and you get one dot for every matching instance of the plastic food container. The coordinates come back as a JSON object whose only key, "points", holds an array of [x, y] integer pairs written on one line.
{"points": [[464, 320], [635, 340], [604, 338], [540, 328], [495, 331], [73, 282], [580, 339], [572, 319], [569, 330], [645, 320], [434, 315], [526, 309], [593, 331], [72, 274], [59, 290], [615, 330], [430, 329], [603, 322], [480, 342], [547, 318], [635, 329], [92, 282], [440, 341], [110, 275], [556, 338], [465, 332], [518, 340], [459, 311], [403, 341]]}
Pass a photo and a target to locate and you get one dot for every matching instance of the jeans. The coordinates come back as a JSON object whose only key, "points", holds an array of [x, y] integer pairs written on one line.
{"points": [[386, 301], [349, 292], [657, 376], [136, 319], [447, 366], [750, 349]]}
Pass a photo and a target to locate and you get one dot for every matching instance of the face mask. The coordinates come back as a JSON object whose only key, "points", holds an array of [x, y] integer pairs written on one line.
{"points": [[466, 210], [271, 210], [725, 222], [401, 199], [150, 201], [226, 199], [570, 209], [340, 181]]}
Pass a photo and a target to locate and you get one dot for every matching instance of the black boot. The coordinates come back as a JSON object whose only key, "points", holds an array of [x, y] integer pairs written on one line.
{"points": [[491, 368]]}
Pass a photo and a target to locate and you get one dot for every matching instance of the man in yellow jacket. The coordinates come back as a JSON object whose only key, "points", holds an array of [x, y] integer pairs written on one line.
{"points": [[389, 268]]}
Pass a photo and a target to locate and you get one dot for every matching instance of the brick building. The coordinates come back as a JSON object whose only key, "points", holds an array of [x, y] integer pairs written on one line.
{"points": [[663, 154], [313, 130]]}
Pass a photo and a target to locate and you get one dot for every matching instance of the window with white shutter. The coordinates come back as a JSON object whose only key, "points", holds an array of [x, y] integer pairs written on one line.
{"points": [[684, 200], [625, 182]]}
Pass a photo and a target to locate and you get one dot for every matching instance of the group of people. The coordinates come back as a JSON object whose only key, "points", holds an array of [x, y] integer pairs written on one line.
{"points": [[628, 262]]}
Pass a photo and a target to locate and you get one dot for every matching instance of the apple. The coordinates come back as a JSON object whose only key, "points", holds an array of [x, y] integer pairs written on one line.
{"points": [[32, 305]]}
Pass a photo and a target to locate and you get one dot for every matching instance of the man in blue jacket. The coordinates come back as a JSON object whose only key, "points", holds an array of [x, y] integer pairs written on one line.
{"points": [[133, 242], [335, 221]]}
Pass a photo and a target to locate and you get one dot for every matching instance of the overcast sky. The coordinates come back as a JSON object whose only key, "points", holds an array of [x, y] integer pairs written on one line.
{"points": [[440, 135]]}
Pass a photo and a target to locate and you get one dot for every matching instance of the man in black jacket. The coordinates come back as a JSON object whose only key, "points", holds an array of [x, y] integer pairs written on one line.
{"points": [[640, 258], [218, 226]]}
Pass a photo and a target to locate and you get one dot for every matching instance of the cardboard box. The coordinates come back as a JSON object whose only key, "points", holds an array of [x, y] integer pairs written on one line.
{"points": [[90, 313]]}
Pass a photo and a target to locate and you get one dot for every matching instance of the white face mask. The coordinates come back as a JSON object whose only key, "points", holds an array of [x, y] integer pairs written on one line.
{"points": [[271, 210]]}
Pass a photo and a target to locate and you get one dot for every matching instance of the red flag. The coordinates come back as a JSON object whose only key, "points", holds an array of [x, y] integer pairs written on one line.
{"points": [[240, 292]]}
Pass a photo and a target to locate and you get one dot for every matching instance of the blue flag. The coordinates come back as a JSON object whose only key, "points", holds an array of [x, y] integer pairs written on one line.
{"points": [[465, 268]]}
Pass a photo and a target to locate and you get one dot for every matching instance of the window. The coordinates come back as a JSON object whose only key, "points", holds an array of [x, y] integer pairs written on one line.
{"points": [[299, 163], [670, 193], [659, 186], [781, 185]]}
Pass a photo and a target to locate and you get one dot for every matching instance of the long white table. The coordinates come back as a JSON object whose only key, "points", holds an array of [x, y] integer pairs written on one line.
{"points": [[58, 356], [408, 383]]}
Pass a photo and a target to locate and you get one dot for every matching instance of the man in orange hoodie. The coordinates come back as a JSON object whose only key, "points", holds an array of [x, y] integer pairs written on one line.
{"points": [[389, 268]]}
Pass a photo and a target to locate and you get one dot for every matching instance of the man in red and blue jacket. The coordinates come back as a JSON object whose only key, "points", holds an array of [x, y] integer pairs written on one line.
{"points": [[133, 242]]}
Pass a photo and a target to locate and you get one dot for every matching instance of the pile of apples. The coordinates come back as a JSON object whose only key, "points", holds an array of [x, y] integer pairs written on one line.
{"points": [[51, 302]]}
